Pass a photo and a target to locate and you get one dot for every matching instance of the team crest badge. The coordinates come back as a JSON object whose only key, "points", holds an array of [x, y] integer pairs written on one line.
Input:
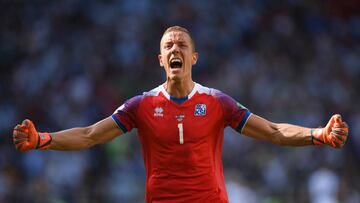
{"points": [[200, 110]]}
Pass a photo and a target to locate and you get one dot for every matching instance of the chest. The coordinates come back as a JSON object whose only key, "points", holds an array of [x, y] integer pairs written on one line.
{"points": [[190, 122]]}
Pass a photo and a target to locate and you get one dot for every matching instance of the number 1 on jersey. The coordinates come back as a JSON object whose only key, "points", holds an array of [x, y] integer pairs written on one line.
{"points": [[181, 133]]}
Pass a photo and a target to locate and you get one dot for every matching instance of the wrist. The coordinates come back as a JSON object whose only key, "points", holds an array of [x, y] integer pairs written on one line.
{"points": [[317, 136], [44, 141]]}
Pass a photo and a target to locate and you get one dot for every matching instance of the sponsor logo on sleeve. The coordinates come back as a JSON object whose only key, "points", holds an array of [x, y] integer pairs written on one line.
{"points": [[240, 105]]}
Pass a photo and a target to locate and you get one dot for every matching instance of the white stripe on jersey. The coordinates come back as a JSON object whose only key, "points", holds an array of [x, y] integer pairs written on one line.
{"points": [[197, 88]]}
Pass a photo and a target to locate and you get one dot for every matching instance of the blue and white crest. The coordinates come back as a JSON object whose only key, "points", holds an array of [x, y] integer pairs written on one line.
{"points": [[200, 110]]}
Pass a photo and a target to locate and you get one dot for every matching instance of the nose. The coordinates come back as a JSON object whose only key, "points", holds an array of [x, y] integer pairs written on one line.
{"points": [[175, 49]]}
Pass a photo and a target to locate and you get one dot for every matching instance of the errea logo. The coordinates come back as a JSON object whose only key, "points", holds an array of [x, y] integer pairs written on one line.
{"points": [[158, 112]]}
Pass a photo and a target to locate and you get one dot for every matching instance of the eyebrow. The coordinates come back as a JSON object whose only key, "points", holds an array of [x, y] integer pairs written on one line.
{"points": [[176, 41]]}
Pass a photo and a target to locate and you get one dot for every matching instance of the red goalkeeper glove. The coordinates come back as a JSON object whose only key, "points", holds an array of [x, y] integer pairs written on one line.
{"points": [[335, 133], [25, 137]]}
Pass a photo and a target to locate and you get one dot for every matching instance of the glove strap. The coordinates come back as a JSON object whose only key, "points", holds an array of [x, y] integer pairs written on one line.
{"points": [[44, 141], [317, 136]]}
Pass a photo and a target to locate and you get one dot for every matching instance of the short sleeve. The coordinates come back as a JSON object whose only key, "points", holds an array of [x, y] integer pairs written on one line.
{"points": [[235, 114], [126, 115]]}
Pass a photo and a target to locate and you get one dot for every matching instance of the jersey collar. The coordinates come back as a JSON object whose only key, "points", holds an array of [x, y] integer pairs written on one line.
{"points": [[166, 94]]}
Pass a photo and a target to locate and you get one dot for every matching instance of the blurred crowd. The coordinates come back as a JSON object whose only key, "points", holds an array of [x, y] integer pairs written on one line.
{"points": [[71, 63]]}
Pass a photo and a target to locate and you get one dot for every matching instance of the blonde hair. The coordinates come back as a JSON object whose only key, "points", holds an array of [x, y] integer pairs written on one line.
{"points": [[181, 29]]}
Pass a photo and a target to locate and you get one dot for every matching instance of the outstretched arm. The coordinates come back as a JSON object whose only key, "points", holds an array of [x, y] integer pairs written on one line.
{"points": [[26, 137], [81, 138], [334, 134]]}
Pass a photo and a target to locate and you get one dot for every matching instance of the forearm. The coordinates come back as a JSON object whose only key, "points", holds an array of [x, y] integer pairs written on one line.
{"points": [[291, 135], [72, 139]]}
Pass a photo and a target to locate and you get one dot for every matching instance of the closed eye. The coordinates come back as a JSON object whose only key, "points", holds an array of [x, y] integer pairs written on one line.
{"points": [[168, 45], [182, 45]]}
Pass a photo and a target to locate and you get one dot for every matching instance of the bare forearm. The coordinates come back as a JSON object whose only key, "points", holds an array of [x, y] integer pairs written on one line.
{"points": [[71, 139], [291, 135]]}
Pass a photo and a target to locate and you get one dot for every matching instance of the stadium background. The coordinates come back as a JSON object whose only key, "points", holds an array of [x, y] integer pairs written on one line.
{"points": [[70, 63]]}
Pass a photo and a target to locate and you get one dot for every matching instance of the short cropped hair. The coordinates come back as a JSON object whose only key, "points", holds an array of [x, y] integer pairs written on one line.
{"points": [[181, 29]]}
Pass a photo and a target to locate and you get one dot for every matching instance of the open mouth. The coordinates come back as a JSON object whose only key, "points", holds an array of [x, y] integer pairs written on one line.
{"points": [[176, 63]]}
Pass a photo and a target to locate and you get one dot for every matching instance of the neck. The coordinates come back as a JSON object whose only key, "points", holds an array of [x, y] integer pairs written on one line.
{"points": [[178, 89]]}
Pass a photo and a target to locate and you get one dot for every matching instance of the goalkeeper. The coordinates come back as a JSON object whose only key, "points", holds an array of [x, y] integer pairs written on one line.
{"points": [[181, 128]]}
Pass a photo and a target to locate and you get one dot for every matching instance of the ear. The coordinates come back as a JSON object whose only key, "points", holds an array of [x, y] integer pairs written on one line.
{"points": [[195, 58], [160, 60]]}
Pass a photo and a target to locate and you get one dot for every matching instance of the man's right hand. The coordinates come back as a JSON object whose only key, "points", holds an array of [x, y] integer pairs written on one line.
{"points": [[25, 137], [335, 133]]}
